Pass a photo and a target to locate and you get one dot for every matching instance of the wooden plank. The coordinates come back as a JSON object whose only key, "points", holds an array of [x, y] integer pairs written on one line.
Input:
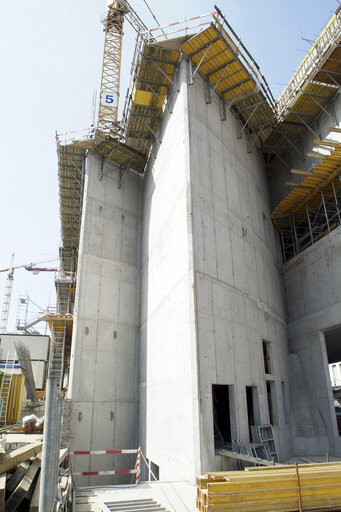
{"points": [[34, 505], [24, 487], [62, 455], [273, 489], [63, 482], [308, 173], [327, 143], [2, 491], [17, 476], [11, 460], [246, 458], [31, 490]]}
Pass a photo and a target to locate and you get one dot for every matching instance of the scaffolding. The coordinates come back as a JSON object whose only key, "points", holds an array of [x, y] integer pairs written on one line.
{"points": [[312, 209], [308, 94], [71, 168], [215, 52], [154, 68], [231, 71]]}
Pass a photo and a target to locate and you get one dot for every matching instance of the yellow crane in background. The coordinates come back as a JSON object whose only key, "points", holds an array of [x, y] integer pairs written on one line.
{"points": [[111, 68]]}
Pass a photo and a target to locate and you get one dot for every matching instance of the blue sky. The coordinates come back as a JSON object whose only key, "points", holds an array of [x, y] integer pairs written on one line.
{"points": [[51, 55]]}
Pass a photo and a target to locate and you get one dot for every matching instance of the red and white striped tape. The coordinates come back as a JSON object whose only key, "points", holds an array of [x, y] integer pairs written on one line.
{"points": [[240, 440], [144, 38], [75, 131], [185, 20], [116, 472], [136, 471], [102, 452], [138, 466]]}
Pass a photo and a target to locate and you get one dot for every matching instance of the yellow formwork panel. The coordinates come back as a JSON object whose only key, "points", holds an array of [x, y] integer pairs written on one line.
{"points": [[229, 71], [307, 191], [15, 400], [310, 100], [146, 99], [277, 488]]}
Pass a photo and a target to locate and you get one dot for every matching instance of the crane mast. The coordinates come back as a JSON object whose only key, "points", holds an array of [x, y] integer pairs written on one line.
{"points": [[111, 67], [110, 81], [7, 297]]}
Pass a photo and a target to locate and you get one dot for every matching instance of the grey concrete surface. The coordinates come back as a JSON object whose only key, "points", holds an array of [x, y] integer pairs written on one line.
{"points": [[178, 287], [313, 306], [104, 358]]}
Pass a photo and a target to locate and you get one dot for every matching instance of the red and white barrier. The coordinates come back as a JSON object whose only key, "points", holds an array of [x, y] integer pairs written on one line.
{"points": [[241, 440], [137, 467], [136, 471], [110, 472], [102, 452]]}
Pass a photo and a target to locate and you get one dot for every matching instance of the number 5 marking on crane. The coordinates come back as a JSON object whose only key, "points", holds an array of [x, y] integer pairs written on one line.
{"points": [[108, 99]]}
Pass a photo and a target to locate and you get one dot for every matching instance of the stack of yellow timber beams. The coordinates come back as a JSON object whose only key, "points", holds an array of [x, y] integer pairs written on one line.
{"points": [[307, 487]]}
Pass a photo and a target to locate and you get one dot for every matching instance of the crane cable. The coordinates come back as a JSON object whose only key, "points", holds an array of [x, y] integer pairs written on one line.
{"points": [[151, 12]]}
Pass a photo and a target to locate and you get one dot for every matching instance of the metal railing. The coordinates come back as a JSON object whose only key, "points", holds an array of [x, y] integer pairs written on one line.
{"points": [[329, 37]]}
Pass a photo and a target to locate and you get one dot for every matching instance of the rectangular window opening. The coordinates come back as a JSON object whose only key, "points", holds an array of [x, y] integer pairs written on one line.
{"points": [[221, 416], [266, 357]]}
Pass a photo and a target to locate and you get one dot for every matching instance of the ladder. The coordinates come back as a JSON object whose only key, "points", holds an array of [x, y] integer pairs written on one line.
{"points": [[5, 388]]}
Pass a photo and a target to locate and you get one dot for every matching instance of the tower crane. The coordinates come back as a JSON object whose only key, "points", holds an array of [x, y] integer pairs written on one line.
{"points": [[111, 68], [9, 287]]}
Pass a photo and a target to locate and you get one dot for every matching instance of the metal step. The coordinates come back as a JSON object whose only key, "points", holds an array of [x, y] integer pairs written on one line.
{"points": [[147, 505]]}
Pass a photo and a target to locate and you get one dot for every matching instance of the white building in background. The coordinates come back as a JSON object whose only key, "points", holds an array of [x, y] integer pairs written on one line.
{"points": [[38, 345]]}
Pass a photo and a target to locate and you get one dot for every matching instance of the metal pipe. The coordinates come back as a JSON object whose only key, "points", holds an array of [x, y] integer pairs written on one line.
{"points": [[308, 217], [325, 209], [283, 248], [336, 202], [46, 497], [295, 244]]}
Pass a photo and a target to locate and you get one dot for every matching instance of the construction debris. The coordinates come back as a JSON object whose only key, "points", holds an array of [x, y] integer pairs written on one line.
{"points": [[20, 478], [280, 488], [32, 424]]}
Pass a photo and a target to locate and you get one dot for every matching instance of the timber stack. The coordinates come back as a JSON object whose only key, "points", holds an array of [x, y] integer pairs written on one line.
{"points": [[20, 478], [285, 488]]}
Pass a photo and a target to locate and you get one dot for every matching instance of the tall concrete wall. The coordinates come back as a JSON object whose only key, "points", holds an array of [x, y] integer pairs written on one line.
{"points": [[313, 296], [169, 395], [239, 296], [210, 290], [188, 270], [313, 303], [104, 358]]}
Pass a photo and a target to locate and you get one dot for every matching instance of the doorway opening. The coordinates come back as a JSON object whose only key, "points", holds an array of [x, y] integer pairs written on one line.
{"points": [[333, 347], [222, 399]]}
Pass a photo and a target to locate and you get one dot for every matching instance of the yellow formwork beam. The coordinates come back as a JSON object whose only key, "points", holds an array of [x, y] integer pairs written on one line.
{"points": [[277, 488]]}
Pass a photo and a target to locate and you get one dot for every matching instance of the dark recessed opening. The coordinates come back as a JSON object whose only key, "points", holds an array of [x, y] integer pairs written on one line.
{"points": [[250, 408], [333, 346], [221, 416], [266, 357], [269, 392]]}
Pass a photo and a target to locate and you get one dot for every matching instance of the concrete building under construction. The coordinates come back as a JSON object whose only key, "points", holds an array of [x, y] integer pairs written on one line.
{"points": [[201, 289]]}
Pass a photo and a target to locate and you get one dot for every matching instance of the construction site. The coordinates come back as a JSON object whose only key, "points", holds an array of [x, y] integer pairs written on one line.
{"points": [[195, 348]]}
